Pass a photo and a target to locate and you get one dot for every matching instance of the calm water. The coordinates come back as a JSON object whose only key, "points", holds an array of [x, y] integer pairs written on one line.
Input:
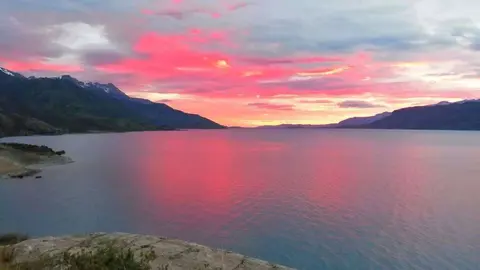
{"points": [[310, 199]]}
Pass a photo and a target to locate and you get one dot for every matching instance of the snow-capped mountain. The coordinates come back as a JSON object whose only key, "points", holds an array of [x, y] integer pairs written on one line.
{"points": [[108, 88], [4, 71], [80, 106]]}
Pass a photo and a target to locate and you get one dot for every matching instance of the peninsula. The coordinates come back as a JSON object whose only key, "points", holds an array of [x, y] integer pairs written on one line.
{"points": [[22, 160]]}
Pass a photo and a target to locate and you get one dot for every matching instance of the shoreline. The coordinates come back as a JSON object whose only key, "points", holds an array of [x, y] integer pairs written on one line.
{"points": [[19, 160], [101, 132]]}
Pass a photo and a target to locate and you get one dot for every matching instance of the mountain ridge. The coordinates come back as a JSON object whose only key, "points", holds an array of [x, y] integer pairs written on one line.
{"points": [[349, 122], [64, 104], [459, 115]]}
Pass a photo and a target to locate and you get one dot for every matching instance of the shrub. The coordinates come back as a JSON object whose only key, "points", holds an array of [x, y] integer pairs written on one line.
{"points": [[104, 257], [12, 238]]}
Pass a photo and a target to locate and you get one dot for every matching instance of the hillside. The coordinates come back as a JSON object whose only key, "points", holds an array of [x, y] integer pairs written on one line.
{"points": [[359, 121], [14, 124], [64, 104], [464, 115]]}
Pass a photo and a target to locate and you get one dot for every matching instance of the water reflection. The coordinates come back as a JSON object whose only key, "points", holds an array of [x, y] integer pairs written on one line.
{"points": [[313, 199]]}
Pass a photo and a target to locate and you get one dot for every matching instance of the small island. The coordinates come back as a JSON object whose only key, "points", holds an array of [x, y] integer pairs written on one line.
{"points": [[19, 160]]}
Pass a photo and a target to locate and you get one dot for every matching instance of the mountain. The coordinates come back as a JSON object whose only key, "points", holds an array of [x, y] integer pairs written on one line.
{"points": [[349, 122], [463, 115], [68, 105], [7, 72], [14, 124], [108, 88], [296, 126], [359, 121]]}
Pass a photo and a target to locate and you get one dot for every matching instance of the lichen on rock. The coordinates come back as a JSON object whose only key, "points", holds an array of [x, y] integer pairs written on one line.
{"points": [[156, 252]]}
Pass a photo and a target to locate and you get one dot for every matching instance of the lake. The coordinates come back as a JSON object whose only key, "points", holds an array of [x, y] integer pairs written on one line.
{"points": [[309, 199]]}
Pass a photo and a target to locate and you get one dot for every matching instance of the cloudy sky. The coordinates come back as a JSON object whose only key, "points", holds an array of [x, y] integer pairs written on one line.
{"points": [[260, 62]]}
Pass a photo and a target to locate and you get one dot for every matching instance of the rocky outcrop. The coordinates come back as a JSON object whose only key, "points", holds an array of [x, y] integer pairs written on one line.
{"points": [[24, 160], [31, 148], [170, 254]]}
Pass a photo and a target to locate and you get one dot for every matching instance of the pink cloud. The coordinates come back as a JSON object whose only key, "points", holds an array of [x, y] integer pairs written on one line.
{"points": [[270, 106], [40, 66]]}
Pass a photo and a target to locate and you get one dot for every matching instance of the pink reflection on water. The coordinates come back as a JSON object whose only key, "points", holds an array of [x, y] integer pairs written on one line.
{"points": [[197, 182]]}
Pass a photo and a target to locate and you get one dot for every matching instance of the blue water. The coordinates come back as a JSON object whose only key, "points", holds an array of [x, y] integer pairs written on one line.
{"points": [[309, 199]]}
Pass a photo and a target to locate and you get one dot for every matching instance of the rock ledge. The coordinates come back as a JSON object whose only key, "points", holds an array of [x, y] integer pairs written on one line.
{"points": [[171, 254]]}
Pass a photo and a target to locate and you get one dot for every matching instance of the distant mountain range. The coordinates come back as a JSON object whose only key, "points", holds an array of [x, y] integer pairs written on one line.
{"points": [[361, 121], [462, 115], [64, 104], [350, 122]]}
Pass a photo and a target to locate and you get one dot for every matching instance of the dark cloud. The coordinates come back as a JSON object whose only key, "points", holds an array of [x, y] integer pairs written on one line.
{"points": [[443, 74], [120, 80], [316, 101], [102, 57], [471, 76], [381, 28], [20, 41], [239, 6], [270, 106], [175, 14], [164, 100], [358, 104], [72, 5], [280, 61]]}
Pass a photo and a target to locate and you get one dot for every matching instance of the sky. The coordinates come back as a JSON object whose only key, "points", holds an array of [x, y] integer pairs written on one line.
{"points": [[249, 63]]}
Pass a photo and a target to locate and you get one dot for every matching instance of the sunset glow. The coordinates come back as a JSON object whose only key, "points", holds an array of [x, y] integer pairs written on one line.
{"points": [[254, 63]]}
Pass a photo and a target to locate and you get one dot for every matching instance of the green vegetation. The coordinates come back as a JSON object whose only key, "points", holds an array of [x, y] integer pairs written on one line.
{"points": [[6, 257], [57, 106], [106, 256], [31, 148], [12, 238], [6, 252], [66, 105], [15, 124]]}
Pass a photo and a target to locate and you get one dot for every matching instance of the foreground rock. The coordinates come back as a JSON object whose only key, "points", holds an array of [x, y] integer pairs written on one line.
{"points": [[169, 253], [25, 160]]}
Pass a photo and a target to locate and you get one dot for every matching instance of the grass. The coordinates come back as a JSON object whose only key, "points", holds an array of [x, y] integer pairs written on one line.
{"points": [[107, 256]]}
